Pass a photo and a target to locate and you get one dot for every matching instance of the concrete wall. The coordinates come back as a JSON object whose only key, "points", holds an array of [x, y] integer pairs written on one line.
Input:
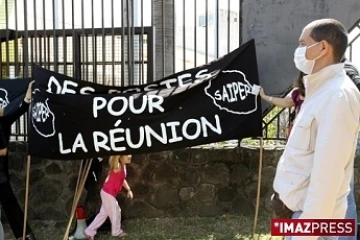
{"points": [[163, 38], [276, 26]]}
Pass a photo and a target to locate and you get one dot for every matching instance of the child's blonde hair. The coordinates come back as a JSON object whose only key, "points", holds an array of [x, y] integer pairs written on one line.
{"points": [[115, 161]]}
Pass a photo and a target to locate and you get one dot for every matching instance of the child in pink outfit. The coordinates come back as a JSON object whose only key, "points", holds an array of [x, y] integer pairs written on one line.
{"points": [[110, 207]]}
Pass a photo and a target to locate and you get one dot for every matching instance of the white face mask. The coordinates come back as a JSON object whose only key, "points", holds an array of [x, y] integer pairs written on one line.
{"points": [[301, 62]]}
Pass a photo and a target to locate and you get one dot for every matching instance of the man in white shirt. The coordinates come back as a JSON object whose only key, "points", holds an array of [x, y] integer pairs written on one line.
{"points": [[314, 173]]}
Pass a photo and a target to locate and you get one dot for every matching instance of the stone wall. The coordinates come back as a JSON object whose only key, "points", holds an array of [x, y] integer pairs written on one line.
{"points": [[186, 182]]}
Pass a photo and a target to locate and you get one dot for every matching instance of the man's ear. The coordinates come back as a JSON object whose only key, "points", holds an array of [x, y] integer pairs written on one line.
{"points": [[326, 48]]}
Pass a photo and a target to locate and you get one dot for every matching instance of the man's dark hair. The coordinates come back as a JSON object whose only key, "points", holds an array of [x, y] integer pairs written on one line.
{"points": [[334, 33]]}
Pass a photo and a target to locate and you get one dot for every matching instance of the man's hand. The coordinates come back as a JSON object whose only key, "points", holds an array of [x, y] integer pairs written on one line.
{"points": [[3, 152], [29, 92]]}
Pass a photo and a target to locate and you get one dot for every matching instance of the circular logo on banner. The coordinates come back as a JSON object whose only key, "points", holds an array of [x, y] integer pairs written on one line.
{"points": [[234, 93], [43, 119], [4, 101]]}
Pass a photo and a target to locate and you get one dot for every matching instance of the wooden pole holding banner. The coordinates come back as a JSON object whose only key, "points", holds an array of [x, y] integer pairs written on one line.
{"points": [[79, 179], [26, 194], [77, 185], [258, 186], [78, 192]]}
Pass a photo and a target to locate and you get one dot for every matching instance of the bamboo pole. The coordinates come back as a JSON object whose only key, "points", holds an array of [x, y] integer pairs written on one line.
{"points": [[258, 186], [78, 195], [28, 160]]}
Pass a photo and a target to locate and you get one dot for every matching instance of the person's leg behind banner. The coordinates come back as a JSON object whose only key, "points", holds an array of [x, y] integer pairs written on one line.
{"points": [[296, 215], [12, 210], [2, 237]]}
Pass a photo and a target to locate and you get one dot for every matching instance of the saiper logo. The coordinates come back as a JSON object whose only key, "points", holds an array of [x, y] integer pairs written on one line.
{"points": [[4, 101], [43, 120], [234, 93]]}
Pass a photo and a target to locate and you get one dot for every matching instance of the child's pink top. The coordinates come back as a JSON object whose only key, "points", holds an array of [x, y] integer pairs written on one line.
{"points": [[114, 182]]}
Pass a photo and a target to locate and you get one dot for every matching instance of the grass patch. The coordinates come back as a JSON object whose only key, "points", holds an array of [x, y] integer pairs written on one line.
{"points": [[216, 228]]}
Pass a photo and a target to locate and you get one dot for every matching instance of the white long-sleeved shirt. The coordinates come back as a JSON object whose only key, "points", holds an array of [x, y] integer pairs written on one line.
{"points": [[313, 174]]}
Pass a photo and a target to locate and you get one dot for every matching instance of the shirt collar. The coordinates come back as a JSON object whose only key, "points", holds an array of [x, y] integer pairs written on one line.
{"points": [[313, 81]]}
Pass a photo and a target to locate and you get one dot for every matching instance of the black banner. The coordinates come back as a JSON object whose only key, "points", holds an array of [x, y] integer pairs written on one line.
{"points": [[12, 93], [59, 83], [72, 119]]}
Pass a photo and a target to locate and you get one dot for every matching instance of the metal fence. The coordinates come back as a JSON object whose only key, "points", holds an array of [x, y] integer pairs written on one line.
{"points": [[114, 42], [123, 42]]}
